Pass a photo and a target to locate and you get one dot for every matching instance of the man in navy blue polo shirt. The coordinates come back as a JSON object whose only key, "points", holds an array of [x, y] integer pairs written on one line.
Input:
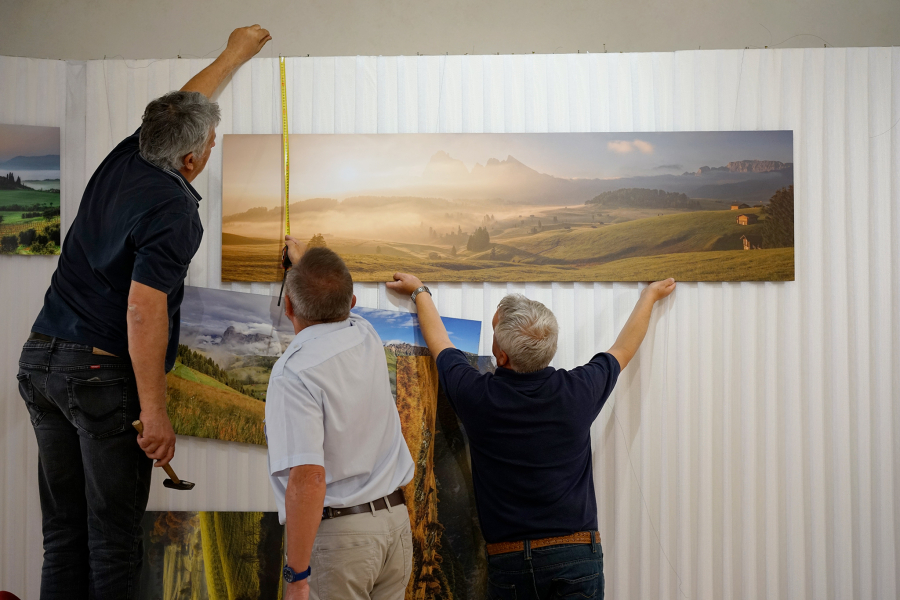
{"points": [[528, 426], [100, 348]]}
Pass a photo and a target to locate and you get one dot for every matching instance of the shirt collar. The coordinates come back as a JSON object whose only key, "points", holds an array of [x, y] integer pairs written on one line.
{"points": [[316, 331], [185, 184], [533, 376]]}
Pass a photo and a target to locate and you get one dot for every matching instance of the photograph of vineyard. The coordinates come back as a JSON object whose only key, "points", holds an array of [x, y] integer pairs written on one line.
{"points": [[29, 190], [211, 556], [229, 343], [697, 206]]}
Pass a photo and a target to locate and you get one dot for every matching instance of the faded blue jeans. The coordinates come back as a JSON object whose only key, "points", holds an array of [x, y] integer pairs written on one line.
{"points": [[563, 571], [93, 478]]}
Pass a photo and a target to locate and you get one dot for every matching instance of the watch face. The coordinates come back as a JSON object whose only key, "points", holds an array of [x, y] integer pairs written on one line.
{"points": [[288, 574]]}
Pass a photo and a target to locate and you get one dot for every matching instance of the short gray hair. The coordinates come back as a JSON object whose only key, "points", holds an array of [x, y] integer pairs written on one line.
{"points": [[175, 125], [320, 286], [527, 331]]}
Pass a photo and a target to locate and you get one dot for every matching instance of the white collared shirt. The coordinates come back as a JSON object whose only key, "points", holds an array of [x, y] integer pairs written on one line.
{"points": [[329, 403]]}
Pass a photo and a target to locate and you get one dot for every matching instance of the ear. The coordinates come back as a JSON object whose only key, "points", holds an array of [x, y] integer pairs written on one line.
{"points": [[353, 301], [288, 307], [187, 162], [502, 358]]}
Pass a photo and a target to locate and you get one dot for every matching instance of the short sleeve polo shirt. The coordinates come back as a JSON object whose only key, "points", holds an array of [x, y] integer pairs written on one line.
{"points": [[136, 221], [329, 403], [530, 443]]}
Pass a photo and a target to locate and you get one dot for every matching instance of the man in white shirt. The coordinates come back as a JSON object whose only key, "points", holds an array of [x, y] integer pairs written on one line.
{"points": [[335, 441]]}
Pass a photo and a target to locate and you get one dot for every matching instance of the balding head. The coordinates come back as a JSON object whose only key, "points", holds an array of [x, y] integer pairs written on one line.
{"points": [[320, 287]]}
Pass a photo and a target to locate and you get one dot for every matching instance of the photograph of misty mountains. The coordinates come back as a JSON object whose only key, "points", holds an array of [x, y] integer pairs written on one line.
{"points": [[697, 206], [29, 190]]}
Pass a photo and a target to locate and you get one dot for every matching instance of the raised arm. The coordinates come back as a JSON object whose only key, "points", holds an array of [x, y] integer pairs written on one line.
{"points": [[429, 320], [635, 328], [243, 44]]}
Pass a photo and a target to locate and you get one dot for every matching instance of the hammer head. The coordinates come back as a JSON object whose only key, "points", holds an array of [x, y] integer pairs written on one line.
{"points": [[181, 485]]}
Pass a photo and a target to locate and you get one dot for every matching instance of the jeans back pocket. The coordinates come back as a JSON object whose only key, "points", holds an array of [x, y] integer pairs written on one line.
{"points": [[582, 587], [26, 390], [98, 406]]}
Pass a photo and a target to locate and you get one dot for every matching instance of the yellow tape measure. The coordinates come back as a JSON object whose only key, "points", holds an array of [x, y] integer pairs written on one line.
{"points": [[287, 152]]}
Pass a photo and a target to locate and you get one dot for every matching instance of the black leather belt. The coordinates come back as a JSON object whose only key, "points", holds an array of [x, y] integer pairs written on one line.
{"points": [[396, 499]]}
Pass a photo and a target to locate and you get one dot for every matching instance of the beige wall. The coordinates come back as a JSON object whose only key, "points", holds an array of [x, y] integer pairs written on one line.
{"points": [[86, 29]]}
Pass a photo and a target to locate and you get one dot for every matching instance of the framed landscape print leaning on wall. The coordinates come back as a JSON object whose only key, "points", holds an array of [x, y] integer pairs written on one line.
{"points": [[229, 343], [697, 206]]}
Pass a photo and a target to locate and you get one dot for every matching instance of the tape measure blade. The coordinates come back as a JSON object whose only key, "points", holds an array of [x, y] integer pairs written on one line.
{"points": [[286, 151]]}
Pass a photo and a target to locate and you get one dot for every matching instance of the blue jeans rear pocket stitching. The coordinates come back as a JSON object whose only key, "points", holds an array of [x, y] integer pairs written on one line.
{"points": [[107, 414], [501, 591], [583, 587], [26, 390]]}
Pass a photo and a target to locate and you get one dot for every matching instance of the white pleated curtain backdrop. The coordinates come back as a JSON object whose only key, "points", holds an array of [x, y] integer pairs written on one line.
{"points": [[749, 451]]}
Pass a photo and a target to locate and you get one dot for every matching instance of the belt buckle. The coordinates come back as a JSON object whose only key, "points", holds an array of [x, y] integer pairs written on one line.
{"points": [[329, 512]]}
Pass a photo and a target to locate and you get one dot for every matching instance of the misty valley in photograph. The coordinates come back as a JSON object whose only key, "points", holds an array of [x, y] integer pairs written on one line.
{"points": [[29, 190], [697, 206]]}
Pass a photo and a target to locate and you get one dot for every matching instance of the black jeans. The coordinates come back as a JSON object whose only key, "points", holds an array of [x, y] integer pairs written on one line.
{"points": [[564, 571], [94, 479]]}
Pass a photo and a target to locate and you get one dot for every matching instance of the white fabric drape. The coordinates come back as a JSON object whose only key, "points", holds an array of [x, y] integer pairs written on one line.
{"points": [[751, 449]]}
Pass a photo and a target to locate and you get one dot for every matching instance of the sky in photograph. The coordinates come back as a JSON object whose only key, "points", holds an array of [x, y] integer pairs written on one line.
{"points": [[27, 140], [210, 312], [345, 165]]}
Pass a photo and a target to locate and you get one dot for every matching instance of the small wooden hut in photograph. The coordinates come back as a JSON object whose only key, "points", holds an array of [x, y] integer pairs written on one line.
{"points": [[747, 219], [741, 206]]}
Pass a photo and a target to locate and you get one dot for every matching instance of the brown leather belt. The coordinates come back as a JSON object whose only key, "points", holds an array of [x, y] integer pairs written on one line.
{"points": [[582, 537], [396, 499], [46, 338]]}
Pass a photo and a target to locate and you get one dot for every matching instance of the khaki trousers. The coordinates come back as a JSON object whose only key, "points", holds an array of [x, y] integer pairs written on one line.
{"points": [[367, 556]]}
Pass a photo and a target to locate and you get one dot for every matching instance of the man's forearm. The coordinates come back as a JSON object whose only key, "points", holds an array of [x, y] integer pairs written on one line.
{"points": [[148, 337], [633, 332], [303, 502], [209, 79], [243, 44], [432, 326]]}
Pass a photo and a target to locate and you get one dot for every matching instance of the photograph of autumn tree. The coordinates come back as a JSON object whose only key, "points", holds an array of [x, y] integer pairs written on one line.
{"points": [[698, 206], [29, 190], [211, 556]]}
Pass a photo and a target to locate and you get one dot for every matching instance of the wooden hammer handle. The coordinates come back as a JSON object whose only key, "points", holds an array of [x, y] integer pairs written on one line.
{"points": [[140, 429]]}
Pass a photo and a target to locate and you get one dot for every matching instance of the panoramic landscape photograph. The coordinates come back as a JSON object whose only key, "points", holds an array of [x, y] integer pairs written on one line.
{"points": [[697, 206], [29, 190]]}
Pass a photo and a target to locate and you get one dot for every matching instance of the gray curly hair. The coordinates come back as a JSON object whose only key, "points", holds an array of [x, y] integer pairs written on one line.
{"points": [[527, 331], [176, 124]]}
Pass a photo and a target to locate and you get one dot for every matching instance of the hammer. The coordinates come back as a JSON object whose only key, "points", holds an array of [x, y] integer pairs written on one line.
{"points": [[173, 483]]}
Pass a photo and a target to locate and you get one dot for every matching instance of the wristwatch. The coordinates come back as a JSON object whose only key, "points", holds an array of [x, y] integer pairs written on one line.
{"points": [[418, 291], [291, 576]]}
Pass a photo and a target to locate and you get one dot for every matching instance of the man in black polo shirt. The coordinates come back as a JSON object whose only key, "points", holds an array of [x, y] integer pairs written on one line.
{"points": [[108, 332], [529, 434]]}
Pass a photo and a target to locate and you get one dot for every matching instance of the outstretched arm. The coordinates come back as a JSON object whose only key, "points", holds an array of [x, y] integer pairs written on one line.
{"points": [[635, 328], [243, 44], [429, 320]]}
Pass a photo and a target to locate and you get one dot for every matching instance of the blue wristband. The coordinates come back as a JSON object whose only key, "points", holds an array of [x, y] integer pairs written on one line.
{"points": [[291, 576]]}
